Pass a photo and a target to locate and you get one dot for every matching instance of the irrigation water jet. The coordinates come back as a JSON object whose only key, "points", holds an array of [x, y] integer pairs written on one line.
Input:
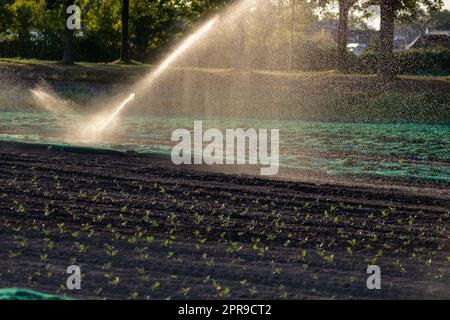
{"points": [[96, 126], [115, 113], [161, 68], [186, 44], [50, 101]]}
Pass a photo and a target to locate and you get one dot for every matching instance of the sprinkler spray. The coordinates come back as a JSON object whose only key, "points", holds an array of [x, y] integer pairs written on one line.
{"points": [[119, 108]]}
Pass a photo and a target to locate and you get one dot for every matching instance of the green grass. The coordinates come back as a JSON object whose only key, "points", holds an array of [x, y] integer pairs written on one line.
{"points": [[86, 71], [103, 72]]}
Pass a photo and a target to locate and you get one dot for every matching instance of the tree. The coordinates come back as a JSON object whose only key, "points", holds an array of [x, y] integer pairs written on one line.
{"points": [[68, 43], [425, 20], [386, 50], [389, 10], [5, 17], [154, 24], [439, 19], [125, 48], [344, 10]]}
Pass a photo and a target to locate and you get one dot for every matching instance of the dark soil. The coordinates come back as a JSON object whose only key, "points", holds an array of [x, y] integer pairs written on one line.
{"points": [[140, 228]]}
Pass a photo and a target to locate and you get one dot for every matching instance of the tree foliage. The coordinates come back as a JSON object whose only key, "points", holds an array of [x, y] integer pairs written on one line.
{"points": [[284, 38], [153, 23]]}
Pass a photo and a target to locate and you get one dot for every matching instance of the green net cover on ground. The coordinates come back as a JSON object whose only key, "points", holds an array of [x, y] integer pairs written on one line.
{"points": [[20, 294]]}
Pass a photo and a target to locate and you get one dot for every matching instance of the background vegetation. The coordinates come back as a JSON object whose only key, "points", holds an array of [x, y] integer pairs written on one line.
{"points": [[36, 28], [287, 39]]}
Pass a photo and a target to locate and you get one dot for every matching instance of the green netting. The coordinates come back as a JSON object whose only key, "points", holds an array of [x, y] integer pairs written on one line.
{"points": [[20, 294]]}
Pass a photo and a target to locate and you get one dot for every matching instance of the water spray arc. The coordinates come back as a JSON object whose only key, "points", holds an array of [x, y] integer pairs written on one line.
{"points": [[191, 40], [50, 101], [186, 44], [115, 113]]}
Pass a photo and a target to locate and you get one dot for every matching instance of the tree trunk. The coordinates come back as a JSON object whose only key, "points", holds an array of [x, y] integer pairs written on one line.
{"points": [[386, 51], [291, 40], [344, 9], [68, 46], [125, 49]]}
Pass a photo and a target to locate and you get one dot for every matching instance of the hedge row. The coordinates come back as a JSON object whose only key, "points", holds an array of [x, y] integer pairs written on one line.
{"points": [[435, 61], [89, 49]]}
